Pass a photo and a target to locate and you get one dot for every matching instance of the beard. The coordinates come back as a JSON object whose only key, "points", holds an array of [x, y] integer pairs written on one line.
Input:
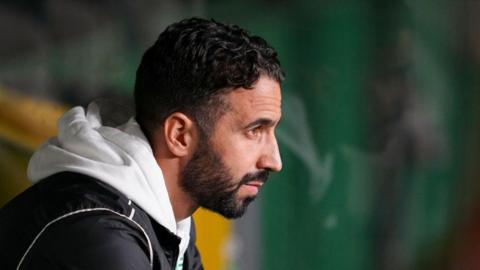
{"points": [[211, 185]]}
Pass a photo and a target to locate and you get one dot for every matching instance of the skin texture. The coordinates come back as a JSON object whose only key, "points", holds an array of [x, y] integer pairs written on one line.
{"points": [[231, 163]]}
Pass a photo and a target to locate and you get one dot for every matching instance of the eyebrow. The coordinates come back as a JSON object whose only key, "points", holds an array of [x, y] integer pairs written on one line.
{"points": [[260, 122]]}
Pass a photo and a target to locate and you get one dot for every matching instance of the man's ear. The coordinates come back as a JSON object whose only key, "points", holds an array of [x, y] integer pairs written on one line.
{"points": [[180, 134]]}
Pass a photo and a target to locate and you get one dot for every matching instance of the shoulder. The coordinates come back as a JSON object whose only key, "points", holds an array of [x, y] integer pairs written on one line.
{"points": [[95, 239], [76, 219]]}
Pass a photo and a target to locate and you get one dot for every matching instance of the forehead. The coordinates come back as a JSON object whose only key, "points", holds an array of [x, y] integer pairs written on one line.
{"points": [[263, 100]]}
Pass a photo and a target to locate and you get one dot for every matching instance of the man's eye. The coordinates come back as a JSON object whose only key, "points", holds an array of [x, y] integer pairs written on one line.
{"points": [[254, 132]]}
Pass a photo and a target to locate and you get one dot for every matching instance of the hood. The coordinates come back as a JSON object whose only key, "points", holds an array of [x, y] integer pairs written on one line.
{"points": [[120, 157]]}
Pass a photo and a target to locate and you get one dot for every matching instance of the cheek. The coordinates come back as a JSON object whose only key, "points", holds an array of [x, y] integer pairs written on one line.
{"points": [[239, 156]]}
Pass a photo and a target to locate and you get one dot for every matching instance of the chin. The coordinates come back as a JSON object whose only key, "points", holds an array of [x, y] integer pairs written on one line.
{"points": [[237, 210]]}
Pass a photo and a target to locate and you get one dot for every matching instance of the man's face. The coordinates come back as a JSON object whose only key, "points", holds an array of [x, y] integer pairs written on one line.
{"points": [[228, 168]]}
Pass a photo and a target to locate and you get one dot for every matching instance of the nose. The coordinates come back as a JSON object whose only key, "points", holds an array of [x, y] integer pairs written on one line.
{"points": [[270, 158]]}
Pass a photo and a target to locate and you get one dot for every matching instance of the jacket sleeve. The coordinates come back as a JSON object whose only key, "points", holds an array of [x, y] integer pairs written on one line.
{"points": [[99, 241]]}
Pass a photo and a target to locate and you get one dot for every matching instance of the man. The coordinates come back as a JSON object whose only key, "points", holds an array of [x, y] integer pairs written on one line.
{"points": [[207, 99]]}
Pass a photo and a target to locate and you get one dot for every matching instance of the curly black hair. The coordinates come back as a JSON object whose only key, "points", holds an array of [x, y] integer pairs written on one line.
{"points": [[191, 64]]}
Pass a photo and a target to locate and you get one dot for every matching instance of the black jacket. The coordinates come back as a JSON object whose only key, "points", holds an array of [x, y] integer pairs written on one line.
{"points": [[72, 221]]}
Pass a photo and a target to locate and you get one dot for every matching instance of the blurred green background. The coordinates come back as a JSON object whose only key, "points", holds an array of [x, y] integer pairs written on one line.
{"points": [[381, 109]]}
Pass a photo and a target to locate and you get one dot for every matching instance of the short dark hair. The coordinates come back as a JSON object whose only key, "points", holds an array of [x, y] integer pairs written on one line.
{"points": [[191, 63]]}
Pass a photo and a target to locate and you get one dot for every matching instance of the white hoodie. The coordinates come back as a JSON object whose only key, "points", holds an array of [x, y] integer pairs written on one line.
{"points": [[120, 157]]}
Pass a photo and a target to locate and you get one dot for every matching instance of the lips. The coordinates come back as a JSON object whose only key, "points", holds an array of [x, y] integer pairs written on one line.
{"points": [[254, 186], [255, 183]]}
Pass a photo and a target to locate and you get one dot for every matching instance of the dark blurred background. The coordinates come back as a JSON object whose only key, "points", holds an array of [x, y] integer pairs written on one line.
{"points": [[381, 109]]}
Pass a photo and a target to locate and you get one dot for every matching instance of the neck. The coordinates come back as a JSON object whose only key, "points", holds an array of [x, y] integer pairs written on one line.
{"points": [[182, 204]]}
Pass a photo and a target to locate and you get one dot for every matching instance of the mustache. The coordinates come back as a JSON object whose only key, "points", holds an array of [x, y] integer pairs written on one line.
{"points": [[261, 176]]}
